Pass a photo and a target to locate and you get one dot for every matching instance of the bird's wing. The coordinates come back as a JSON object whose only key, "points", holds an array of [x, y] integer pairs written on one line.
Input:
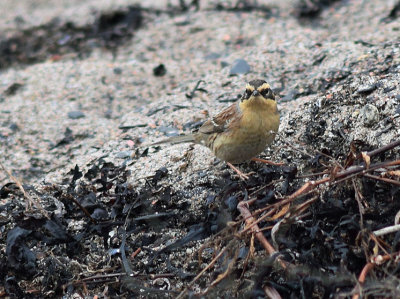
{"points": [[222, 121]]}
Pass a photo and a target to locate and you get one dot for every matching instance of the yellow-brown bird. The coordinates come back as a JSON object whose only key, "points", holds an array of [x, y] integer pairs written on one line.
{"points": [[241, 131]]}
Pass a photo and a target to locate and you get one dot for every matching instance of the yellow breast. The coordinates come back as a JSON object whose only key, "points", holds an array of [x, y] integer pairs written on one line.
{"points": [[253, 133], [260, 115]]}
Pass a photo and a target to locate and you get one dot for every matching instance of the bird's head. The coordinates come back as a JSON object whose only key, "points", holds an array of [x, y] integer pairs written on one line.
{"points": [[258, 95]]}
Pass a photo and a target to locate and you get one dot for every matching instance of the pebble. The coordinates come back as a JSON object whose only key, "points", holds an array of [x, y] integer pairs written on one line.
{"points": [[289, 131], [239, 67], [76, 114], [168, 131], [13, 88], [224, 64], [212, 56], [99, 214], [159, 70], [231, 202], [243, 252], [117, 71], [397, 111], [14, 127], [182, 21], [369, 115], [366, 88], [123, 154]]}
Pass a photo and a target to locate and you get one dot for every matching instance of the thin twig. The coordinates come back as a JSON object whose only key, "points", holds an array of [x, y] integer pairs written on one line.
{"points": [[378, 260], [303, 206], [358, 197], [137, 251], [196, 88], [361, 279], [26, 195], [244, 211], [267, 161], [346, 174], [387, 230], [223, 275], [384, 148], [271, 292], [307, 175], [84, 210], [214, 260], [390, 181], [362, 170]]}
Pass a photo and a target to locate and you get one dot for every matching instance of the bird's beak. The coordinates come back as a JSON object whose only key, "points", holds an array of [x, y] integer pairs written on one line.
{"points": [[256, 93]]}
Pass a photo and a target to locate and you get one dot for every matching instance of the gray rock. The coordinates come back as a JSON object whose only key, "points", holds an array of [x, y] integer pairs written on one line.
{"points": [[212, 56], [168, 131], [123, 154], [369, 115], [239, 67], [117, 71], [224, 64], [365, 89], [76, 114]]}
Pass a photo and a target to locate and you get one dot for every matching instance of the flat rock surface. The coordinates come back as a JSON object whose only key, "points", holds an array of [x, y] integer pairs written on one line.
{"points": [[82, 97]]}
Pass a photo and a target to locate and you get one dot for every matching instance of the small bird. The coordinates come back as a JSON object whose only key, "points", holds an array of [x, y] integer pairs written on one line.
{"points": [[241, 131]]}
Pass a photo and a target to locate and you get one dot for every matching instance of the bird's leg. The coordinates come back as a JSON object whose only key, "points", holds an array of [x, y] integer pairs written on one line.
{"points": [[241, 174], [267, 162]]}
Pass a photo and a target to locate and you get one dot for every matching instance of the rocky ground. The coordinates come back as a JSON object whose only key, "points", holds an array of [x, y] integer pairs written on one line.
{"points": [[88, 208]]}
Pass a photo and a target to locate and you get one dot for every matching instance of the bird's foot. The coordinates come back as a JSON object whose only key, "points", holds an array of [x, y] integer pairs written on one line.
{"points": [[267, 162], [240, 174]]}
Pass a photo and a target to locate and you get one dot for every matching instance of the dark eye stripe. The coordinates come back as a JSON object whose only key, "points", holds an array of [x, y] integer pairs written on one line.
{"points": [[267, 93]]}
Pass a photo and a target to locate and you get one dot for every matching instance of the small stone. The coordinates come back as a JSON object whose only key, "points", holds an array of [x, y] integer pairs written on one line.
{"points": [[99, 214], [239, 67], [13, 88], [14, 127], [389, 89], [117, 71], [366, 89], [123, 155], [243, 252], [168, 131], [182, 21], [369, 115], [76, 114], [289, 131], [64, 40], [159, 70], [189, 251], [212, 56], [355, 113], [224, 64], [210, 199], [231, 202]]}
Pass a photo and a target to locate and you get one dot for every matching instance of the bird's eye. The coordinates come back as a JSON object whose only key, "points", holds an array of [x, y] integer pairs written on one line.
{"points": [[268, 94], [247, 94]]}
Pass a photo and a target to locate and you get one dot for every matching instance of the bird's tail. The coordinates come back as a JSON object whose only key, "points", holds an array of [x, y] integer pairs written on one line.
{"points": [[176, 139]]}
